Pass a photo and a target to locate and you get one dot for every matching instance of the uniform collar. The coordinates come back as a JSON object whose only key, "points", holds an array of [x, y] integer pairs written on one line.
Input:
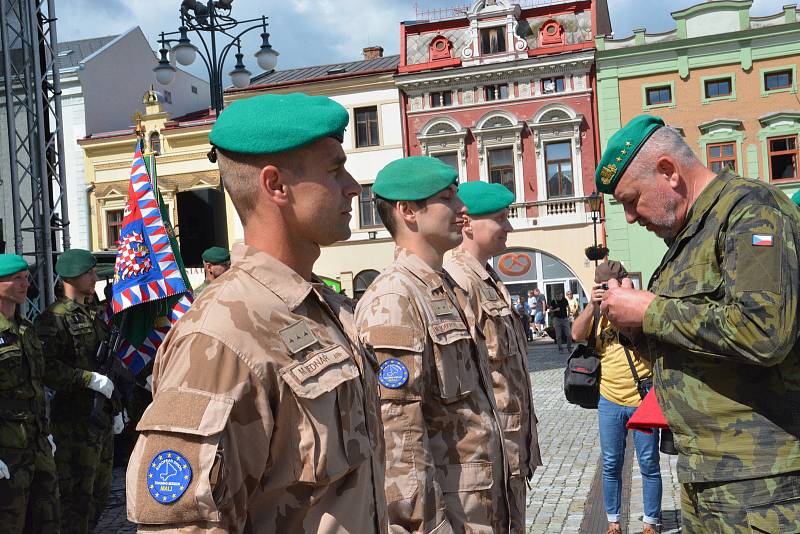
{"points": [[414, 264], [275, 275], [471, 262], [9, 324]]}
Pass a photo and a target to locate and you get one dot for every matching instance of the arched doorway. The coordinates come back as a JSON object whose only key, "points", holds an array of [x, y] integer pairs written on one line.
{"points": [[523, 269]]}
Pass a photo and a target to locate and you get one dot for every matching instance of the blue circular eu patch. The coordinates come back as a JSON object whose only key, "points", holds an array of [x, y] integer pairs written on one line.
{"points": [[168, 477], [393, 374]]}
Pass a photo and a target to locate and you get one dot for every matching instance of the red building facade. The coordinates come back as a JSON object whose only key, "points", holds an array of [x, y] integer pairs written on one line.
{"points": [[506, 94]]}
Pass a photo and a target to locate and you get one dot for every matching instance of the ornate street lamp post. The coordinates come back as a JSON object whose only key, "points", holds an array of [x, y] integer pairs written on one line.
{"points": [[211, 22], [595, 202]]}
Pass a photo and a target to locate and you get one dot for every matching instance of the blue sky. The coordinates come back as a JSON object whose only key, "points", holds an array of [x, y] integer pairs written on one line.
{"points": [[313, 32]]}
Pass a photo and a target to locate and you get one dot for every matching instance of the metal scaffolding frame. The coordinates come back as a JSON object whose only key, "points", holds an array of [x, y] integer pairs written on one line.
{"points": [[32, 98]]}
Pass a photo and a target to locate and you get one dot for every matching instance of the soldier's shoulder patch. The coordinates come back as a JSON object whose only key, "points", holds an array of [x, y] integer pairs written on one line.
{"points": [[393, 374], [168, 476]]}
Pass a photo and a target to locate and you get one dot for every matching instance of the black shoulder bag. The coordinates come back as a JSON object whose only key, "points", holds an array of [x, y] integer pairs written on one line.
{"points": [[667, 445], [582, 374]]}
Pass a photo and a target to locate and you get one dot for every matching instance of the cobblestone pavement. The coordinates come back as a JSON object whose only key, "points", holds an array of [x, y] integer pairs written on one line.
{"points": [[570, 444], [570, 450]]}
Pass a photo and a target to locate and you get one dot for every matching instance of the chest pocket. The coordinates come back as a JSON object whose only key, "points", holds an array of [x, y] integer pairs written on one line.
{"points": [[452, 351], [697, 280], [497, 327], [332, 431], [84, 338], [14, 370]]}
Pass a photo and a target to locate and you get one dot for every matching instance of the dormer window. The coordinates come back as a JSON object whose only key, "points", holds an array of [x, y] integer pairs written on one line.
{"points": [[551, 33], [440, 48], [493, 40]]}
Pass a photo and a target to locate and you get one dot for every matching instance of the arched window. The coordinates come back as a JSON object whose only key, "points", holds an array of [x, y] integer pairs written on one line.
{"points": [[441, 128], [554, 115], [497, 122], [362, 281], [155, 143]]}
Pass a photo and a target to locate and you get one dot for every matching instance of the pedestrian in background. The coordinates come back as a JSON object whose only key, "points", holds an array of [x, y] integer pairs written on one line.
{"points": [[260, 392], [719, 322], [574, 306], [485, 231], [558, 309], [538, 304], [619, 398]]}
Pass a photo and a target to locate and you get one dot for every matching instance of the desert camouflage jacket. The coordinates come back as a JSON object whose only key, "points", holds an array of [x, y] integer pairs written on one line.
{"points": [[723, 333], [446, 467], [271, 403], [504, 334]]}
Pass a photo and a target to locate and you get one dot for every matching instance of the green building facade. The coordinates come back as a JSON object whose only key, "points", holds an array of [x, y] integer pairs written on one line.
{"points": [[726, 79]]}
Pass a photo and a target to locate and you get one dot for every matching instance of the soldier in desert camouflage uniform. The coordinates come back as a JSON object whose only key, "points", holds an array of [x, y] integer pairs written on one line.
{"points": [[265, 413], [446, 468], [720, 323], [28, 482], [71, 332], [485, 230]]}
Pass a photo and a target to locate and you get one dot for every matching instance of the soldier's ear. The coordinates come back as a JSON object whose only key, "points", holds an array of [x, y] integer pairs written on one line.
{"points": [[667, 168], [467, 228], [407, 211], [271, 183]]}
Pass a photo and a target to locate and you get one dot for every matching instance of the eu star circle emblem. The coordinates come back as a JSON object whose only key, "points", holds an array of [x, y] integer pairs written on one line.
{"points": [[393, 374], [168, 477]]}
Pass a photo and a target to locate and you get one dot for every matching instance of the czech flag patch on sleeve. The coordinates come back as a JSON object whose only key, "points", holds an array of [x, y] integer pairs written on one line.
{"points": [[762, 240]]}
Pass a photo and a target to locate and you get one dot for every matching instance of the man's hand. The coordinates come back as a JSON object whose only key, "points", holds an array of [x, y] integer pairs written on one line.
{"points": [[4, 472], [624, 306]]}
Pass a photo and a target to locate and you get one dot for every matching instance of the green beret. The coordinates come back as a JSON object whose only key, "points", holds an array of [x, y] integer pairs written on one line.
{"points": [[482, 198], [622, 148], [414, 178], [11, 264], [268, 124], [216, 255], [104, 271], [74, 262], [796, 198]]}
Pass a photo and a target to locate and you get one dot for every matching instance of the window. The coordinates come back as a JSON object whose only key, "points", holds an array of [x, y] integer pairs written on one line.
{"points": [[367, 127], [558, 166], [501, 167], [362, 281], [553, 85], [493, 40], [783, 157], [721, 155], [451, 158], [367, 211], [718, 88], [194, 90], [113, 227], [155, 143], [659, 95], [167, 97], [442, 98], [495, 92], [778, 80]]}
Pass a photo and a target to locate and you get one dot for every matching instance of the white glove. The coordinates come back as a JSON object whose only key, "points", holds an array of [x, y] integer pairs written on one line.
{"points": [[149, 383], [4, 473], [119, 424], [101, 384], [52, 443]]}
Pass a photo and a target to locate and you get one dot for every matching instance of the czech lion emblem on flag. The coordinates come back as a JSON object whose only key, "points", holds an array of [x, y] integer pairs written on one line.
{"points": [[146, 268]]}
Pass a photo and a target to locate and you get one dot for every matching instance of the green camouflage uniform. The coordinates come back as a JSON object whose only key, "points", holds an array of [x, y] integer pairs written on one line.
{"points": [[199, 289], [29, 500], [71, 333], [722, 333]]}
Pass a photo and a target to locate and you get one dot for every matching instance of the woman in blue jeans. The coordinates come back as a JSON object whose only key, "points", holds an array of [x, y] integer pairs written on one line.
{"points": [[618, 400]]}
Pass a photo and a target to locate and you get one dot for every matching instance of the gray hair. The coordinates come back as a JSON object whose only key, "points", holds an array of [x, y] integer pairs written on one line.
{"points": [[665, 140]]}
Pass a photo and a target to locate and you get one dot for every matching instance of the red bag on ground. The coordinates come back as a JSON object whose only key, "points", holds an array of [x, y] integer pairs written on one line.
{"points": [[648, 415]]}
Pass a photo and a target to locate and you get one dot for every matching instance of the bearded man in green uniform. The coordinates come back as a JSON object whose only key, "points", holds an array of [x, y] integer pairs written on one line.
{"points": [[216, 260], [71, 332], [720, 323]]}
